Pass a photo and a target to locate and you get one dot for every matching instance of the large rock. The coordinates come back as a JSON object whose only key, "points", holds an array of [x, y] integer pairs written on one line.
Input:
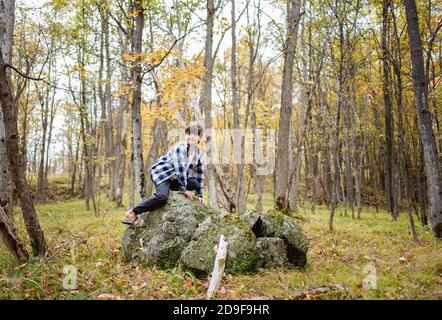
{"points": [[271, 253], [186, 232], [199, 255], [162, 235], [274, 224]]}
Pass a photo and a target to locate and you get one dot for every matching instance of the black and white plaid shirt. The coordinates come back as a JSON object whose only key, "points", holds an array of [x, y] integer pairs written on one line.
{"points": [[177, 163]]}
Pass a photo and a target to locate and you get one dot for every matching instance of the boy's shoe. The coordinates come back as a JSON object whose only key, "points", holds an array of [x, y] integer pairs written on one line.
{"points": [[130, 222]]}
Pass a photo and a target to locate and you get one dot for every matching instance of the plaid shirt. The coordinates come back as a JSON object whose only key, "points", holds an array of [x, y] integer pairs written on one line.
{"points": [[176, 164]]}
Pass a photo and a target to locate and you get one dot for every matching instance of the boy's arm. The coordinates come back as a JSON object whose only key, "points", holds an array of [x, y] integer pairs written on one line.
{"points": [[200, 177], [179, 163]]}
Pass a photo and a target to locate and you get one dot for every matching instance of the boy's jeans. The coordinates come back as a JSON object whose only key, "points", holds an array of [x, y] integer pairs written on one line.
{"points": [[160, 197]]}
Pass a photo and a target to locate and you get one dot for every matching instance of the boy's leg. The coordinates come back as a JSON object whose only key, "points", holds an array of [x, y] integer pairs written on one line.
{"points": [[157, 200]]}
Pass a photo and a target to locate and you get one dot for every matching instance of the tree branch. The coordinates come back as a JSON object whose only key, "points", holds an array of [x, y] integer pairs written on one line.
{"points": [[22, 74]]}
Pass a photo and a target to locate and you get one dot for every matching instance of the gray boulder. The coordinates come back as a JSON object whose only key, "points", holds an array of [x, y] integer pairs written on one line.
{"points": [[271, 253], [186, 232], [162, 235], [199, 255], [274, 224]]}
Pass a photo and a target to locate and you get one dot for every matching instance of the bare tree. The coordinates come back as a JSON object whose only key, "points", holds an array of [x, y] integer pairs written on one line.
{"points": [[106, 127], [237, 135], [136, 101], [425, 123], [389, 139], [205, 102], [403, 148], [122, 126], [15, 158], [285, 115], [7, 24]]}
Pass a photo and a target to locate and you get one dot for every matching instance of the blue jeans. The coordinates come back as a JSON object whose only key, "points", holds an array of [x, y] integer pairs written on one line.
{"points": [[160, 197]]}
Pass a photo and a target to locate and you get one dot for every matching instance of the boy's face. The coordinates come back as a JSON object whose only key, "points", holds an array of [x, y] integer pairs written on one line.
{"points": [[192, 139]]}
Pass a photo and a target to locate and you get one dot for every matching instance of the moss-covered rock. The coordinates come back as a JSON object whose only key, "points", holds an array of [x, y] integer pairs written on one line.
{"points": [[274, 224], [161, 235], [199, 255], [271, 253], [295, 241], [187, 232]]}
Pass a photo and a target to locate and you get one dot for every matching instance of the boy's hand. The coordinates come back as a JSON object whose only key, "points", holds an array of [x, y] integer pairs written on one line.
{"points": [[189, 194], [129, 214], [201, 200]]}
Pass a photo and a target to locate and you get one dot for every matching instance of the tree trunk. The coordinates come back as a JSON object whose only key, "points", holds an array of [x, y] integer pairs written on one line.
{"points": [[388, 114], [284, 137], [421, 185], [11, 239], [361, 157], [24, 126], [122, 128], [121, 162], [132, 183], [136, 103], [205, 102], [15, 159], [7, 19], [48, 145], [109, 144], [44, 128], [238, 139], [258, 179], [4, 185], [404, 166], [88, 152], [425, 122], [106, 127], [75, 165], [333, 182], [16, 164]]}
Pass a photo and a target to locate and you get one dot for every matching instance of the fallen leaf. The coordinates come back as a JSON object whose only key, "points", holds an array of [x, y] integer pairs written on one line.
{"points": [[403, 259], [109, 296]]}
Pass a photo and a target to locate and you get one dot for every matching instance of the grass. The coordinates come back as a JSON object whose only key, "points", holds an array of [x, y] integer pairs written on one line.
{"points": [[404, 269]]}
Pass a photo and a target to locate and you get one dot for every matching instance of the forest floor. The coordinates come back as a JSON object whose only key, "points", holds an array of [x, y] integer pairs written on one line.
{"points": [[373, 247]]}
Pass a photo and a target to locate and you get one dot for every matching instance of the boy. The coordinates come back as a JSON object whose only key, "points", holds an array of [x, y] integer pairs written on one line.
{"points": [[173, 171]]}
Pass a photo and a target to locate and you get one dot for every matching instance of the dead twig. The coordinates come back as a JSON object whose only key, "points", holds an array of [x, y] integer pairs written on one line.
{"points": [[218, 268], [307, 293]]}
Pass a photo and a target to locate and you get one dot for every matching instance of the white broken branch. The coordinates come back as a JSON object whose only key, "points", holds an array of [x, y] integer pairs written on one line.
{"points": [[218, 268]]}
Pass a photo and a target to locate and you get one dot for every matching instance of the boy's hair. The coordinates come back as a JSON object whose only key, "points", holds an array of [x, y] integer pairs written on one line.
{"points": [[194, 128]]}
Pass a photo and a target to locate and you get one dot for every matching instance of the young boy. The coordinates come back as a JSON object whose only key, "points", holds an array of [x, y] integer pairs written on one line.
{"points": [[175, 171]]}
